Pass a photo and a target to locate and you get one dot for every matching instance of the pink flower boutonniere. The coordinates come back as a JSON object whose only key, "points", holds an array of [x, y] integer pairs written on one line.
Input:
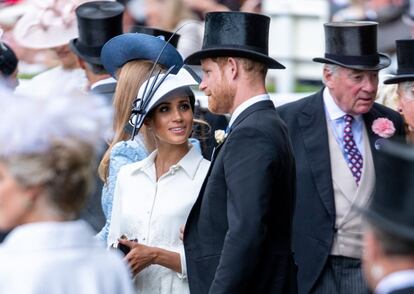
{"points": [[383, 127]]}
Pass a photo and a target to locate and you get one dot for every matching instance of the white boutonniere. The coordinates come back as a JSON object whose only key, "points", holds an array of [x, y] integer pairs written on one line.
{"points": [[220, 136], [383, 127]]}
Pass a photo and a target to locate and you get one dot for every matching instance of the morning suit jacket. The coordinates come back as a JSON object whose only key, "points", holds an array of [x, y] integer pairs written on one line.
{"points": [[92, 212], [238, 235], [409, 290], [314, 219]]}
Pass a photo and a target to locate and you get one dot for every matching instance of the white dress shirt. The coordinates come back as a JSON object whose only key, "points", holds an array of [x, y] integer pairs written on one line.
{"points": [[395, 281], [152, 211], [60, 258], [239, 109], [109, 80], [335, 117]]}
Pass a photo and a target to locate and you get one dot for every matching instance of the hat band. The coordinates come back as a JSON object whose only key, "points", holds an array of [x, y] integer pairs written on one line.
{"points": [[370, 60], [405, 71], [89, 50], [238, 48]]}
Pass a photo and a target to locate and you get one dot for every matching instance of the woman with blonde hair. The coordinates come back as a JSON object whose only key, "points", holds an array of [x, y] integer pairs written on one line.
{"points": [[403, 83], [129, 58], [47, 149]]}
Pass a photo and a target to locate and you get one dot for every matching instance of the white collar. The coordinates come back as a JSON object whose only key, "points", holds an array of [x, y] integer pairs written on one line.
{"points": [[395, 281], [239, 109], [49, 235], [332, 109], [189, 163], [109, 80]]}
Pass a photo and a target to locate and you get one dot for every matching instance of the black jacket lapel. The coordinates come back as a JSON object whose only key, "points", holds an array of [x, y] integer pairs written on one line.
{"points": [[312, 121]]}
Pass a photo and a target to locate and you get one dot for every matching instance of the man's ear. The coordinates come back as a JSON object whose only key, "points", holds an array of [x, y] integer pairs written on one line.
{"points": [[82, 63], [233, 67], [375, 250], [328, 77]]}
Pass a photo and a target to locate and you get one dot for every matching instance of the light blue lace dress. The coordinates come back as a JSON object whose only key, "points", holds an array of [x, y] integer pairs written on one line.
{"points": [[122, 153]]}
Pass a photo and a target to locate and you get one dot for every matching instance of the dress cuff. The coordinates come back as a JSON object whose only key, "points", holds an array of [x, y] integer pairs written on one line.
{"points": [[183, 274]]}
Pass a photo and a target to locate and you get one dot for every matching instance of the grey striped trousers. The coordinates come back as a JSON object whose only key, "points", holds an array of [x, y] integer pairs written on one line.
{"points": [[341, 275]]}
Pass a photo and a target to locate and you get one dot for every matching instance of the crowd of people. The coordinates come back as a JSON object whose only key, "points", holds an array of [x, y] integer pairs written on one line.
{"points": [[115, 179]]}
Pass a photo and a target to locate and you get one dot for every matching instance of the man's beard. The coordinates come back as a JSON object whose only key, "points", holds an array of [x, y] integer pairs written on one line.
{"points": [[221, 100]]}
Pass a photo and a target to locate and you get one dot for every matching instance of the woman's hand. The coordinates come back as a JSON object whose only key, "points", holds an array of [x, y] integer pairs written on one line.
{"points": [[140, 256]]}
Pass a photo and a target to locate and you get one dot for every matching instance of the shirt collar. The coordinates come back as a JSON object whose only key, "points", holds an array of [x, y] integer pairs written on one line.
{"points": [[332, 109], [50, 235], [239, 109], [109, 80], [189, 163], [395, 281]]}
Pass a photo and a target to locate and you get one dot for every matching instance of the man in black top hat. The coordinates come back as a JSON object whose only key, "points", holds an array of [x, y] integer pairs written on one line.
{"points": [[237, 237], [405, 80], [389, 242], [8, 66], [334, 133], [98, 21]]}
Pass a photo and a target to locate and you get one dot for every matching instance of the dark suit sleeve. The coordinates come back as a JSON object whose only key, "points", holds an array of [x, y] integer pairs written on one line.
{"points": [[250, 162]]}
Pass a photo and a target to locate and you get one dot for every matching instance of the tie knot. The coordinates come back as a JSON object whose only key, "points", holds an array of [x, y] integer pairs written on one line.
{"points": [[348, 118]]}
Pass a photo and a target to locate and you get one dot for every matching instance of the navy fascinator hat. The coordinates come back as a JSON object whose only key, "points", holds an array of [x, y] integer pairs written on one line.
{"points": [[135, 46]]}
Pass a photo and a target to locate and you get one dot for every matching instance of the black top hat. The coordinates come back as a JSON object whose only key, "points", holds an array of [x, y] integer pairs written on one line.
{"points": [[392, 205], [98, 22], [156, 33], [353, 44], [405, 58], [8, 60], [235, 34]]}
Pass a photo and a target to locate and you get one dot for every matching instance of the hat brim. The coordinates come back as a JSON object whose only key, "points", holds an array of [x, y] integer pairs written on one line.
{"points": [[388, 225], [34, 36], [384, 61], [195, 58], [399, 79], [84, 56]]}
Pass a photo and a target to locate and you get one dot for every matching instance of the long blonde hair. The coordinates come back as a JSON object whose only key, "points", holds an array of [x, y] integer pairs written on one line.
{"points": [[130, 78]]}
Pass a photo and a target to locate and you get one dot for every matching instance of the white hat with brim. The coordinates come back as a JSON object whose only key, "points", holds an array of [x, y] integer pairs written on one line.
{"points": [[10, 14], [179, 83], [48, 24]]}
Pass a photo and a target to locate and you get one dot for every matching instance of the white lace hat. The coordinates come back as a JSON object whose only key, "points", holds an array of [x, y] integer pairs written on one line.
{"points": [[47, 23]]}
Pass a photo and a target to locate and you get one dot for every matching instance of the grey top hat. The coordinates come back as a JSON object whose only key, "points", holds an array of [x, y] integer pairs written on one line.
{"points": [[353, 44]]}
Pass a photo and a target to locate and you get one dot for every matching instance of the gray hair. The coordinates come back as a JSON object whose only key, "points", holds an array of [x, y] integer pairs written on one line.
{"points": [[331, 68], [64, 174]]}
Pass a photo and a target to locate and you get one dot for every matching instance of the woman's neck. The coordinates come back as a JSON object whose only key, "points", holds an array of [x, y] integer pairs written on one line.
{"points": [[168, 155]]}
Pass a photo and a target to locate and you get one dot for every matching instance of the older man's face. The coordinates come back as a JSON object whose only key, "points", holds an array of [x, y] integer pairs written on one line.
{"points": [[354, 91]]}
